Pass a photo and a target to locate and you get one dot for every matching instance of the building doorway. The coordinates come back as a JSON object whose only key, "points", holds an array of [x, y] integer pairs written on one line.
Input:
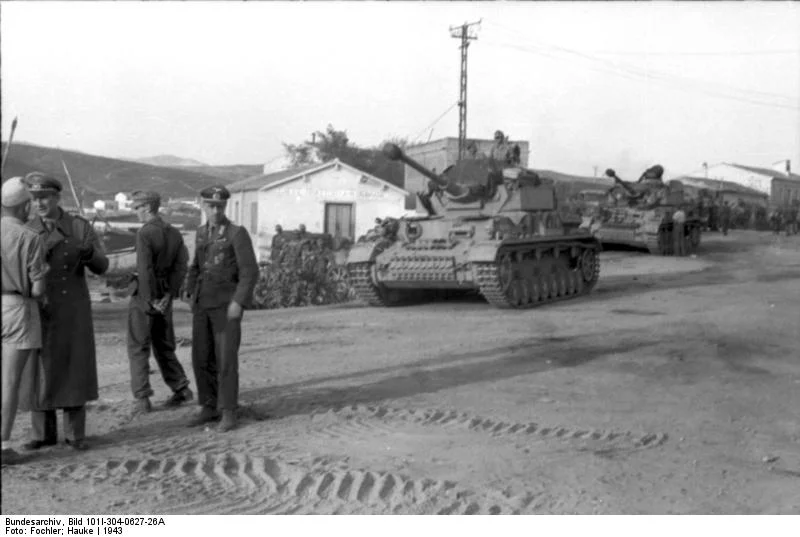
{"points": [[339, 220]]}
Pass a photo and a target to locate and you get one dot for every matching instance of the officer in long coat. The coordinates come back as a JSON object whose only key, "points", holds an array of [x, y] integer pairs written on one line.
{"points": [[64, 375], [220, 285]]}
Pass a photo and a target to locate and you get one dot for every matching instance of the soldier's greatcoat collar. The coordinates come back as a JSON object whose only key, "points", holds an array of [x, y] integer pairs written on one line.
{"points": [[63, 223]]}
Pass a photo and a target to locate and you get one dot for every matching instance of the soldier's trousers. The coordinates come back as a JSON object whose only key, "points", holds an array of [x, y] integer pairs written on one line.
{"points": [[215, 357], [45, 425], [678, 240], [157, 331]]}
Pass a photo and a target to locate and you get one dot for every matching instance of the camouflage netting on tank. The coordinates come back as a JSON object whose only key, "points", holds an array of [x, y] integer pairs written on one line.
{"points": [[302, 271]]}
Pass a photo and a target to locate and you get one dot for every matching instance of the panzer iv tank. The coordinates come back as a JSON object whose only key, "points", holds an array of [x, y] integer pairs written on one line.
{"points": [[488, 228], [640, 214]]}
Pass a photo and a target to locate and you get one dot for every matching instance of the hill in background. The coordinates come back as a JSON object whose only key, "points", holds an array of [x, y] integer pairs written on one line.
{"points": [[101, 177], [170, 161]]}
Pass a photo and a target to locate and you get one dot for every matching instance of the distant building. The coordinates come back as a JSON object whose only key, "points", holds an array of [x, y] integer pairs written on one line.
{"points": [[728, 191], [437, 155], [331, 197], [106, 205], [123, 200], [779, 183]]}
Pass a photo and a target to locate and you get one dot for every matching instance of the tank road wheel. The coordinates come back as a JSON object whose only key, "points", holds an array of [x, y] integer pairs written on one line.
{"points": [[515, 294], [571, 284], [505, 271], [536, 290], [525, 291], [590, 268], [563, 287], [578, 279], [544, 285]]}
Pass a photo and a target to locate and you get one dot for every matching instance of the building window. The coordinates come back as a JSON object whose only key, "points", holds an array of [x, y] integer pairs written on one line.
{"points": [[236, 212], [254, 217], [339, 220]]}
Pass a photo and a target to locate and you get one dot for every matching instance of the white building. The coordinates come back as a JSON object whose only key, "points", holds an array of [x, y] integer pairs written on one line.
{"points": [[778, 183], [331, 197], [123, 200]]}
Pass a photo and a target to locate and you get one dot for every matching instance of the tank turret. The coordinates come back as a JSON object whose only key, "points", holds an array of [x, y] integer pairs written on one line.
{"points": [[491, 229]]}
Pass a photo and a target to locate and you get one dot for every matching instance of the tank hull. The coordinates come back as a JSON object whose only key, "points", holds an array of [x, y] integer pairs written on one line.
{"points": [[650, 230], [514, 273]]}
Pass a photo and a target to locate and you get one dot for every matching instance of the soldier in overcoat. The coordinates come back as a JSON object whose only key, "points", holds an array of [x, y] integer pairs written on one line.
{"points": [[220, 286], [64, 375]]}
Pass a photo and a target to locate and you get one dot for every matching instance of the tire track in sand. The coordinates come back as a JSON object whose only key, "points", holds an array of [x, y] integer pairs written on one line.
{"points": [[359, 414], [237, 483]]}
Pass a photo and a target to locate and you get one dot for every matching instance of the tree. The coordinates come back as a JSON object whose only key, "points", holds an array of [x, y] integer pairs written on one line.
{"points": [[332, 144]]}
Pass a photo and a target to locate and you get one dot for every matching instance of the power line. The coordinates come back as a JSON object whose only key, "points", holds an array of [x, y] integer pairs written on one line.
{"points": [[651, 74], [635, 73], [435, 121]]}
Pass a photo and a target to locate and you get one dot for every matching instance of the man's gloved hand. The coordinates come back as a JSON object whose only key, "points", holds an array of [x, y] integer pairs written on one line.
{"points": [[85, 252]]}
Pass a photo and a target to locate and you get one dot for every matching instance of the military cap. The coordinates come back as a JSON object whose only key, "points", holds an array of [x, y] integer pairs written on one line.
{"points": [[41, 183], [15, 192], [215, 194], [142, 197]]}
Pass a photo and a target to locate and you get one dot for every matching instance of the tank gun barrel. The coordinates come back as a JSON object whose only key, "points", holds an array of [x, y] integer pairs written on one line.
{"points": [[393, 152]]}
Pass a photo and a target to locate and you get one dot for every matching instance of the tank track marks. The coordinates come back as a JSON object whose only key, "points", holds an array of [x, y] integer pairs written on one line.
{"points": [[530, 282], [236, 483], [461, 420]]}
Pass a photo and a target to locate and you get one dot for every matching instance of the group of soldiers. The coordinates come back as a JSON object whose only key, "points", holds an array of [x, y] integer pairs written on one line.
{"points": [[785, 219], [49, 360], [302, 270]]}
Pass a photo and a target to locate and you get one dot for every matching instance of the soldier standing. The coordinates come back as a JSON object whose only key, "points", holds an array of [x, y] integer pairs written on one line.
{"points": [[277, 243], [678, 239], [220, 285], [23, 283], [161, 262], [725, 217], [64, 374]]}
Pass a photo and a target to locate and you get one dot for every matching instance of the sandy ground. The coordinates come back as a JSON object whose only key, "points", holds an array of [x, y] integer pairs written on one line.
{"points": [[673, 388]]}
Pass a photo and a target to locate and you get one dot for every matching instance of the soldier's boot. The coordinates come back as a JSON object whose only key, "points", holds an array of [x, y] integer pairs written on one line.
{"points": [[207, 415], [228, 422], [142, 406], [184, 395]]}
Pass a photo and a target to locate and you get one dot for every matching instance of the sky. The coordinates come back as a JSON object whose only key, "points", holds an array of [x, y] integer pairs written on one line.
{"points": [[589, 85]]}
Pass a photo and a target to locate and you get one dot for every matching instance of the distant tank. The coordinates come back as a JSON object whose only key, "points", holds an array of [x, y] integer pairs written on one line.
{"points": [[488, 228], [640, 214]]}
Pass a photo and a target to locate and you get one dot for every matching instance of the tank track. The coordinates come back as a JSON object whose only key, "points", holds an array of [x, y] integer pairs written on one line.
{"points": [[567, 283], [360, 276]]}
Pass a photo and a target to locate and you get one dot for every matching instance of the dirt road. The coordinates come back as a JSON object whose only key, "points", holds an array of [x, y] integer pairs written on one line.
{"points": [[673, 388]]}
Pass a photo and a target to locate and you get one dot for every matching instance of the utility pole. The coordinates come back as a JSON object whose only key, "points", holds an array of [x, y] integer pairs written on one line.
{"points": [[465, 33]]}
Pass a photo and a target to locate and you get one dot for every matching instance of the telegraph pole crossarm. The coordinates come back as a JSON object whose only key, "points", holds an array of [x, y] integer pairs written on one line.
{"points": [[466, 33]]}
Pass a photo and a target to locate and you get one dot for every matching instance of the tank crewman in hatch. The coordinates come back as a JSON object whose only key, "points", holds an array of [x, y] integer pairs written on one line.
{"points": [[161, 263], [501, 151], [220, 285], [64, 374]]}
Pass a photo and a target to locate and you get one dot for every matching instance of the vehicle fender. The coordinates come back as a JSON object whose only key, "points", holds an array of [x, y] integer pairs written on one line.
{"points": [[483, 252], [361, 252]]}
